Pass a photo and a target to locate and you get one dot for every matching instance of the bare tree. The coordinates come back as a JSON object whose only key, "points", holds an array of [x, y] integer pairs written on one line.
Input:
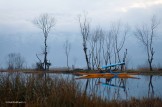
{"points": [[85, 32], [145, 34], [15, 61], [45, 23], [119, 35], [107, 50], [96, 43], [67, 47], [92, 43], [40, 64]]}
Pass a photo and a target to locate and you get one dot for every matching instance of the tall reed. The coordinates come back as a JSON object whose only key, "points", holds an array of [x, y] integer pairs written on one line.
{"points": [[32, 91]]}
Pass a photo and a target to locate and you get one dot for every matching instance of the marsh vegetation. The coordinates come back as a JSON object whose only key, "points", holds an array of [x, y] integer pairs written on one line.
{"points": [[58, 91]]}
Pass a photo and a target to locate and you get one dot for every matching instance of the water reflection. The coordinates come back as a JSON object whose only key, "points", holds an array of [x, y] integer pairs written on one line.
{"points": [[116, 88], [151, 88], [106, 88]]}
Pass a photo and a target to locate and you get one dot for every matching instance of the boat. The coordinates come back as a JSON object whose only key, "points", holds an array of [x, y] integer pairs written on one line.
{"points": [[113, 65], [106, 75]]}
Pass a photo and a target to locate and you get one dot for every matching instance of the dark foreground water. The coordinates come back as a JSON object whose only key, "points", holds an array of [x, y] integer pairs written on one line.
{"points": [[118, 89]]}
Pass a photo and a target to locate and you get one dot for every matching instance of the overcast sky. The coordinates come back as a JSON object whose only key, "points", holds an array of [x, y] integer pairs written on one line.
{"points": [[19, 35]]}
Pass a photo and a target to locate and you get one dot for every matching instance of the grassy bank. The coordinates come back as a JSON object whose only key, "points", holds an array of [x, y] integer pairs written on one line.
{"points": [[33, 91], [65, 71]]}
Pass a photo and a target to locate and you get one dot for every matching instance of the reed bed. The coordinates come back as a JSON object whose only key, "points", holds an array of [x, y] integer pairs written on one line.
{"points": [[32, 91]]}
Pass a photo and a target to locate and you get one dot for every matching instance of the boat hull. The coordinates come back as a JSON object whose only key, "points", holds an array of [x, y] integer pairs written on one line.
{"points": [[106, 75]]}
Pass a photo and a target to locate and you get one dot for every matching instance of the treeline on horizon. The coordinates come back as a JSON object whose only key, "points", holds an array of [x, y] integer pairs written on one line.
{"points": [[100, 47]]}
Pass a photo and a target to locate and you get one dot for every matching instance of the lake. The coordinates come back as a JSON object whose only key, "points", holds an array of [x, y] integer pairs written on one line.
{"points": [[115, 89], [123, 89]]}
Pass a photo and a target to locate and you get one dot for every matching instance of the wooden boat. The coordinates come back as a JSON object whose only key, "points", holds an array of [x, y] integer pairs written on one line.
{"points": [[106, 75], [113, 65]]}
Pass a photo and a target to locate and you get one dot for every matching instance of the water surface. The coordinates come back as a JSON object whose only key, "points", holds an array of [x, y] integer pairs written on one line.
{"points": [[118, 89]]}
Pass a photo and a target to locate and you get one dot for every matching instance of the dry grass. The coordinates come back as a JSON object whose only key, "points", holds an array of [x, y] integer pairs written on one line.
{"points": [[57, 92]]}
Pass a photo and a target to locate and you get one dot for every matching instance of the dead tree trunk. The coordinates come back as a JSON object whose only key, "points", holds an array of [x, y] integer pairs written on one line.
{"points": [[84, 27], [45, 23], [145, 35], [45, 53]]}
